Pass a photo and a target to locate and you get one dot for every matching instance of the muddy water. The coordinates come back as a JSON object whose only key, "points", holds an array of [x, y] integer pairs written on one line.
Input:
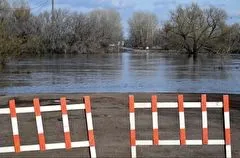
{"points": [[125, 72]]}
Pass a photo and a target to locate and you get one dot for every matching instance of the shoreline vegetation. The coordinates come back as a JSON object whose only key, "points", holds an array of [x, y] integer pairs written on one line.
{"points": [[190, 29], [159, 50]]}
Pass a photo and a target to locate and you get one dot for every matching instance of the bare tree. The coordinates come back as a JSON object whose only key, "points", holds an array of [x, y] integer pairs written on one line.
{"points": [[5, 42], [142, 27], [107, 26], [233, 39], [55, 34], [194, 29]]}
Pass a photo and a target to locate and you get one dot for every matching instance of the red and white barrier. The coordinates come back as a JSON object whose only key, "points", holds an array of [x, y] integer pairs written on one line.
{"points": [[181, 105], [42, 146], [41, 137]]}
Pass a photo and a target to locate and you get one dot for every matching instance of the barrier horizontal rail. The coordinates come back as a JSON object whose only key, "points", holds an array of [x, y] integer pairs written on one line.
{"points": [[49, 108], [177, 142], [181, 105], [169, 105], [42, 146], [36, 147]]}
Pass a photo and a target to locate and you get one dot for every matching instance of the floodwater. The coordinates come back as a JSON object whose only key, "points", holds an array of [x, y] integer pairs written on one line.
{"points": [[123, 72]]}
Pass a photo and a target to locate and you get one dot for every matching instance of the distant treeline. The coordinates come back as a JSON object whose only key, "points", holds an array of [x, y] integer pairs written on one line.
{"points": [[190, 29], [22, 33]]}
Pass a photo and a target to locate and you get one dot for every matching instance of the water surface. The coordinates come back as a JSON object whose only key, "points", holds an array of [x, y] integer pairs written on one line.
{"points": [[123, 72]]}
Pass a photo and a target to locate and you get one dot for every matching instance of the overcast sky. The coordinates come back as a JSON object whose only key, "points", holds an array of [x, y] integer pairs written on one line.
{"points": [[127, 7]]}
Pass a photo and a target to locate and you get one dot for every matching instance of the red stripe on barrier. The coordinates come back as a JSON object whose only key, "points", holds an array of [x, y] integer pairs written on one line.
{"points": [[16, 140], [227, 130], [67, 135], [155, 137], [12, 107], [204, 102], [154, 103], [227, 136], [180, 103], [133, 137], [87, 104], [131, 103], [204, 109], [63, 105], [67, 140], [41, 137], [205, 136], [91, 138], [226, 103], [182, 136], [154, 109], [36, 104], [42, 142]]}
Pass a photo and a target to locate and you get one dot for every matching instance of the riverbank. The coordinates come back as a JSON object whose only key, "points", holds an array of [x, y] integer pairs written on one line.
{"points": [[158, 50], [111, 126]]}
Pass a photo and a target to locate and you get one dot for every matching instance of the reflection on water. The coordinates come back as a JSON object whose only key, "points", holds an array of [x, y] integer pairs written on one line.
{"points": [[126, 72]]}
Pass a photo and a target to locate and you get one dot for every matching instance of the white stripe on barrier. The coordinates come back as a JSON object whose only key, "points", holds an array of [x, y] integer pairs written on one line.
{"points": [[204, 119], [169, 142], [62, 145], [216, 142], [30, 148], [144, 142], [193, 142], [182, 120], [9, 149], [58, 107], [228, 151], [43, 108], [55, 146], [155, 120], [14, 125], [133, 151], [65, 123], [214, 104], [89, 119], [48, 147], [170, 105], [5, 111], [76, 107], [226, 120], [80, 144], [25, 110], [39, 124], [177, 142], [137, 105], [93, 151], [132, 121]]}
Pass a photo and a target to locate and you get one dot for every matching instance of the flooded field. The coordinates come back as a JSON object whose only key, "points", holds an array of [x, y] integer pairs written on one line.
{"points": [[124, 72]]}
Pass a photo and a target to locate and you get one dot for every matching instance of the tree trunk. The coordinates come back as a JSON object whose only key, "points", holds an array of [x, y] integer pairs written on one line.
{"points": [[2, 64], [192, 54]]}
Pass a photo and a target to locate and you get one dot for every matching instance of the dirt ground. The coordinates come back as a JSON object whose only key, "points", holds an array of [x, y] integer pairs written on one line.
{"points": [[111, 126]]}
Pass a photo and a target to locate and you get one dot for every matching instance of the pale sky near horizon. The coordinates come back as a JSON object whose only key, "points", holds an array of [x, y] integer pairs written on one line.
{"points": [[127, 7]]}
